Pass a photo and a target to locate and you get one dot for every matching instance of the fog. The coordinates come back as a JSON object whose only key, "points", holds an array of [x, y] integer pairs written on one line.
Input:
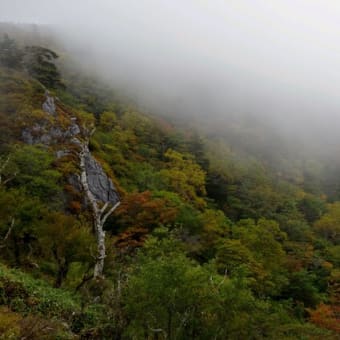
{"points": [[278, 61]]}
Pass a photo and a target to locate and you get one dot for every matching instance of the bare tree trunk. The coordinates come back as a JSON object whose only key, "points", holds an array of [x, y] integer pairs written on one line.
{"points": [[101, 250], [100, 214]]}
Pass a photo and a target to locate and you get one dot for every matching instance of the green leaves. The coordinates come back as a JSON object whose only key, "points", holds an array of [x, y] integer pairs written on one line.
{"points": [[329, 224], [32, 168], [65, 240], [40, 64], [172, 296]]}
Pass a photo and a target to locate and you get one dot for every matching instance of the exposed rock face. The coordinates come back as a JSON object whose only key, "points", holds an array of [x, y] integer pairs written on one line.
{"points": [[43, 132], [92, 182], [99, 183], [75, 182], [48, 135], [49, 106], [73, 130], [62, 153]]}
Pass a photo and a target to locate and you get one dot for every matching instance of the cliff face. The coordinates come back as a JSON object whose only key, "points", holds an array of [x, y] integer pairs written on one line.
{"points": [[100, 184], [62, 132]]}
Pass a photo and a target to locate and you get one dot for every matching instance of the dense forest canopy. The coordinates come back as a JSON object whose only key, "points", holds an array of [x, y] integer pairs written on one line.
{"points": [[220, 233]]}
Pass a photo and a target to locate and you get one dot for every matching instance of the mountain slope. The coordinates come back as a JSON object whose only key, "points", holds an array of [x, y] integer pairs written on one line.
{"points": [[206, 243]]}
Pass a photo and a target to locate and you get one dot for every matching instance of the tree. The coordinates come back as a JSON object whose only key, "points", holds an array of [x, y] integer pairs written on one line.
{"points": [[264, 241], [326, 316], [138, 214], [34, 172], [232, 255], [65, 240], [100, 211], [21, 216], [185, 177], [328, 226], [169, 296], [302, 288], [10, 54], [312, 207], [215, 228], [108, 120], [197, 148], [39, 62], [143, 210]]}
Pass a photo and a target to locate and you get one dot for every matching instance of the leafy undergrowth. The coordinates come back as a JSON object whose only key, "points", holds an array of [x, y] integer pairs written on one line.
{"points": [[33, 309]]}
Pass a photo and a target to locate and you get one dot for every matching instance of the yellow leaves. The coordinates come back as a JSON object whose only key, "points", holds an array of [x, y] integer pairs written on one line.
{"points": [[185, 177], [329, 224], [232, 254], [108, 120], [9, 324], [267, 258], [86, 119], [68, 237], [135, 121]]}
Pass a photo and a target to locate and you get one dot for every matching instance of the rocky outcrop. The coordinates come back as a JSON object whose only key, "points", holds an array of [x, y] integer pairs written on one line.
{"points": [[49, 106], [100, 184], [102, 197], [43, 133], [46, 133], [92, 182]]}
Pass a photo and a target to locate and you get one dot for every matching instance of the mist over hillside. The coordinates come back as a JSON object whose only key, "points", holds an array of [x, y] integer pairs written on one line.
{"points": [[276, 64], [169, 170]]}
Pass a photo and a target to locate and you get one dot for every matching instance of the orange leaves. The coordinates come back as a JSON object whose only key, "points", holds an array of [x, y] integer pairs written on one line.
{"points": [[326, 316], [75, 207], [140, 209], [139, 213], [131, 239]]}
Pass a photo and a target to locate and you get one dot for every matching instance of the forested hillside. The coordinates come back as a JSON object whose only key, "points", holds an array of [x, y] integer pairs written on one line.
{"points": [[209, 241]]}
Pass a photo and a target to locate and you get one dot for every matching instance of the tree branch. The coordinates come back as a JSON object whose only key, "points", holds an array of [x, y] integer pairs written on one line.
{"points": [[110, 212], [8, 233]]}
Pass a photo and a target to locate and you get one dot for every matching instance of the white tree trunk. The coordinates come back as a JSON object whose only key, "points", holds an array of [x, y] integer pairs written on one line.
{"points": [[100, 215], [101, 251]]}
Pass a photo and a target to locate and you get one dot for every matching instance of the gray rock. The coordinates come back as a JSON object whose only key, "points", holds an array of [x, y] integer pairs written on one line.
{"points": [[100, 184], [62, 153], [76, 141], [39, 134], [27, 137], [72, 131], [55, 132], [74, 180], [49, 106], [44, 139], [36, 135]]}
